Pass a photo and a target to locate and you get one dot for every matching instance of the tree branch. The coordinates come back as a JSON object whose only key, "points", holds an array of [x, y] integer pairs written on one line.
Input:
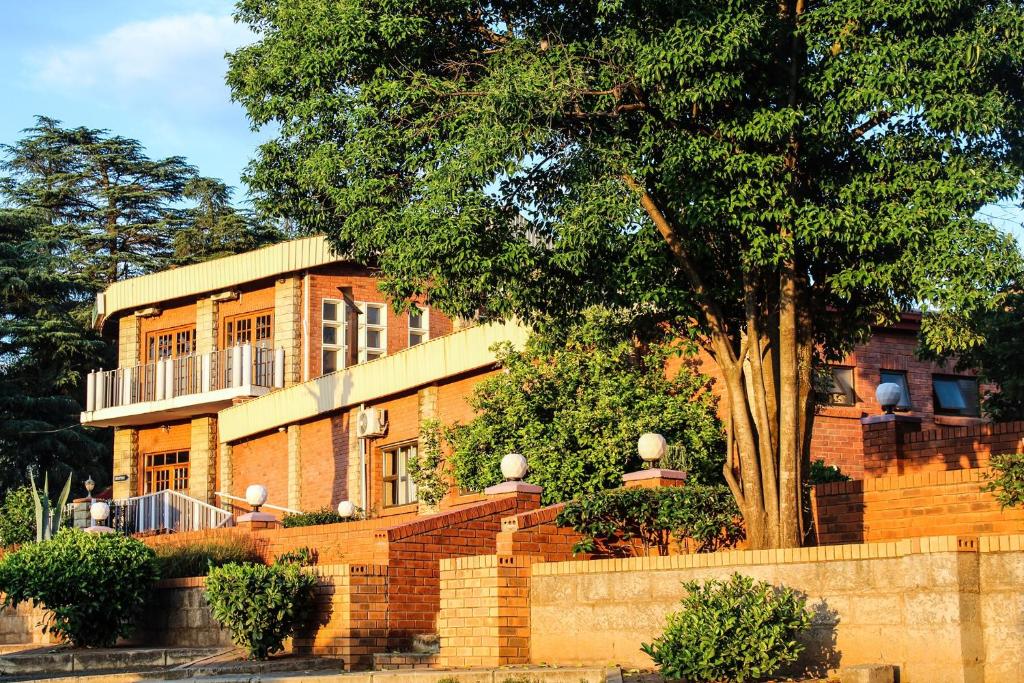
{"points": [[878, 119]]}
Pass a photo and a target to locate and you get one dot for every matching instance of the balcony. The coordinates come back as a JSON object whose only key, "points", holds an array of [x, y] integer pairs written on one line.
{"points": [[176, 388]]}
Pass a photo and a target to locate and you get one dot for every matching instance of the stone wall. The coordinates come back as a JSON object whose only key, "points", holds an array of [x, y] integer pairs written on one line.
{"points": [[941, 609], [19, 625], [179, 616]]}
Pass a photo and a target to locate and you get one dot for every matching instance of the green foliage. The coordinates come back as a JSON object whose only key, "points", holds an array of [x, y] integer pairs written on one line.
{"points": [[199, 557], [426, 468], [622, 522], [324, 515], [1007, 479], [17, 517], [95, 585], [575, 405], [261, 605], [824, 474], [772, 178], [49, 517], [304, 557], [734, 630]]}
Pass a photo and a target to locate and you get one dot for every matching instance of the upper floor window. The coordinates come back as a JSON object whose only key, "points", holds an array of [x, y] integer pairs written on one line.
{"points": [[419, 326], [841, 391], [173, 343], [373, 331], [955, 395], [333, 338], [249, 328], [399, 487], [898, 377]]}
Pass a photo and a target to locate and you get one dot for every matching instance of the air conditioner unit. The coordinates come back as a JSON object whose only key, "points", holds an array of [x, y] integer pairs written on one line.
{"points": [[371, 422]]}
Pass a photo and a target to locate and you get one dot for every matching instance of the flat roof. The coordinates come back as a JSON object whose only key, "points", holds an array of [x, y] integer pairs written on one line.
{"points": [[212, 276]]}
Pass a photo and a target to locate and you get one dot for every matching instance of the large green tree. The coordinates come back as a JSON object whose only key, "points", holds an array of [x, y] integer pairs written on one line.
{"points": [[770, 177]]}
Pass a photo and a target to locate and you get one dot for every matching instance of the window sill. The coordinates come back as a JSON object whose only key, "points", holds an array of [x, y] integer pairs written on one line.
{"points": [[398, 509], [958, 420]]}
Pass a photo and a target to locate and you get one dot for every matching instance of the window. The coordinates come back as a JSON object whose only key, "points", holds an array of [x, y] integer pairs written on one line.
{"points": [[333, 335], [841, 391], [373, 331], [955, 395], [898, 377], [419, 326], [166, 471], [249, 328], [170, 343], [399, 487]]}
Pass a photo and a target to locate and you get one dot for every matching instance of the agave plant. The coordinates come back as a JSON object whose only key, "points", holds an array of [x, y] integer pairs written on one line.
{"points": [[48, 519]]}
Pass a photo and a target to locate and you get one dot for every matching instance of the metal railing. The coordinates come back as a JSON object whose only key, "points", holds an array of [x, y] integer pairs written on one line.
{"points": [[169, 511], [238, 366]]}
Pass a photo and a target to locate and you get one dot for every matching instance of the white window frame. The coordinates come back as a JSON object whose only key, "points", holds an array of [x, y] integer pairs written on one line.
{"points": [[423, 330], [400, 482], [364, 327], [340, 347]]}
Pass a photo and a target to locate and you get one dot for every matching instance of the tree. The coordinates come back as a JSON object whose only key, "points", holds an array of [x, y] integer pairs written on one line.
{"points": [[770, 177], [45, 350], [575, 403], [213, 228], [110, 206]]}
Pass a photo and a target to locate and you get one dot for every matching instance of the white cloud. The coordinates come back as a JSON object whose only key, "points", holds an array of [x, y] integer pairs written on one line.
{"points": [[178, 57]]}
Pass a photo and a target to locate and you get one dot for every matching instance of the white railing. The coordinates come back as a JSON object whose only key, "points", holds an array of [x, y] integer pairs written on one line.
{"points": [[166, 511], [238, 366]]}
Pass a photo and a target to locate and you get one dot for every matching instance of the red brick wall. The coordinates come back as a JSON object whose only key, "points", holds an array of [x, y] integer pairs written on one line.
{"points": [[896, 446], [323, 445], [263, 460], [535, 533], [910, 506]]}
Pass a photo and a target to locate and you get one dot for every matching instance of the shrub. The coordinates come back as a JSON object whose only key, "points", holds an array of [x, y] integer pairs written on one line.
{"points": [[427, 468], [615, 522], [196, 559], [321, 516], [574, 405], [95, 585], [17, 517], [304, 557], [820, 473], [732, 630], [261, 605], [1007, 479]]}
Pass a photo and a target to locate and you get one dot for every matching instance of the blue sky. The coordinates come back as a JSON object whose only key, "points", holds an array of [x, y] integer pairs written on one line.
{"points": [[152, 70]]}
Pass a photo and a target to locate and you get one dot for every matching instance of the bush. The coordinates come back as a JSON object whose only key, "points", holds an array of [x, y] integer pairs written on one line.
{"points": [[196, 559], [820, 473], [261, 605], [575, 405], [615, 522], [1007, 479], [321, 516], [733, 630], [17, 517], [95, 585]]}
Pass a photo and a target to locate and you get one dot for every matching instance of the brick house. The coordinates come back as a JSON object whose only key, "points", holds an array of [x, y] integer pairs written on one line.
{"points": [[287, 367]]}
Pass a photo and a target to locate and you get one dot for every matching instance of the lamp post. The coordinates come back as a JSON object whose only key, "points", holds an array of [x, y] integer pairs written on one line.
{"points": [[888, 395], [651, 447]]}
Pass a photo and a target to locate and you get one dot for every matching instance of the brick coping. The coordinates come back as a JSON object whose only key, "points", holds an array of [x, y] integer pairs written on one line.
{"points": [[740, 558], [903, 481], [440, 520], [532, 518]]}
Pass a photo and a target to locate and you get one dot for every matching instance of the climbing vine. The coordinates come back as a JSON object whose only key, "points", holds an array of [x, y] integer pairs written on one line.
{"points": [[426, 468]]}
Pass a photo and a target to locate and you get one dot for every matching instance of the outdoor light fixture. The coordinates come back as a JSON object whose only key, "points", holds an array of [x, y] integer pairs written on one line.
{"points": [[651, 447], [888, 395], [514, 467], [256, 495], [346, 509], [99, 512], [89, 486]]}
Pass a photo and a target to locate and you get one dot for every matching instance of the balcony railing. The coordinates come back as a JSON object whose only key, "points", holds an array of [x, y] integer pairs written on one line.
{"points": [[238, 366]]}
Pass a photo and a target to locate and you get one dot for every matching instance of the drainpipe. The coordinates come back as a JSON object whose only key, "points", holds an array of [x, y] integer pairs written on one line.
{"points": [[305, 327], [363, 493]]}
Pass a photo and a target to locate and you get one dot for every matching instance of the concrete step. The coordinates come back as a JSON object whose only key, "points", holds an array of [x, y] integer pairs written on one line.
{"points": [[400, 661]]}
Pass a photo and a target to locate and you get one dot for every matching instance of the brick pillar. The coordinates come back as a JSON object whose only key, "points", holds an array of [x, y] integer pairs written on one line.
{"points": [[202, 474], [427, 404], [484, 620], [883, 443], [128, 342], [224, 463], [206, 325], [294, 468], [288, 326], [126, 463]]}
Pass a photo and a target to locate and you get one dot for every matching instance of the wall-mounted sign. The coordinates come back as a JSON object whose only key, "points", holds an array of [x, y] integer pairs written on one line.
{"points": [[120, 477]]}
